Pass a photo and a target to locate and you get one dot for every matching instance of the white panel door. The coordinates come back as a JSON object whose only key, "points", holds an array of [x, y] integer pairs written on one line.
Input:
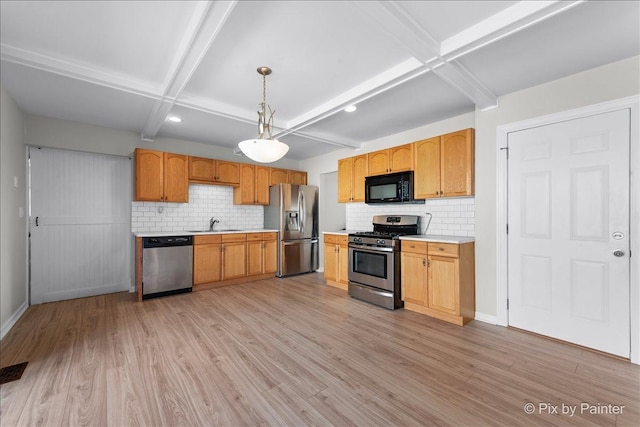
{"points": [[80, 224], [568, 215]]}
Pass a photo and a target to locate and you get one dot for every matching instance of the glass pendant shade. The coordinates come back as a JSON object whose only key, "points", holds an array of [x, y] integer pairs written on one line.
{"points": [[263, 150]]}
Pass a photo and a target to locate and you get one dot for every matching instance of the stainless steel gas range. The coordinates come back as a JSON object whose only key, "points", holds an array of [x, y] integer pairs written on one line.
{"points": [[374, 260]]}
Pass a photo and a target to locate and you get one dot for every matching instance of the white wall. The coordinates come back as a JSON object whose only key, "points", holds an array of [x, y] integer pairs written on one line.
{"points": [[612, 81], [13, 252]]}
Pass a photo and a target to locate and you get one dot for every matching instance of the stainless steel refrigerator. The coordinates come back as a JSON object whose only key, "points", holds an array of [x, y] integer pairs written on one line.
{"points": [[293, 211]]}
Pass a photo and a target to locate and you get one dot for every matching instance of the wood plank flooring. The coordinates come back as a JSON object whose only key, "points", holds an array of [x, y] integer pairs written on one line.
{"points": [[295, 352]]}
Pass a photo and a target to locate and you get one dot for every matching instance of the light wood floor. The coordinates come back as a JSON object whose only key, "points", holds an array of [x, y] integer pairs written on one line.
{"points": [[293, 352]]}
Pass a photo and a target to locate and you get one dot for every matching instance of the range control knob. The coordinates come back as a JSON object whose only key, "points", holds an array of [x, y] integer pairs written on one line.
{"points": [[357, 239], [380, 242]]}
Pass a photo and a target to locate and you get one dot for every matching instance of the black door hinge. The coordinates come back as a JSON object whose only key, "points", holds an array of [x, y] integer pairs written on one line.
{"points": [[507, 228], [507, 303]]}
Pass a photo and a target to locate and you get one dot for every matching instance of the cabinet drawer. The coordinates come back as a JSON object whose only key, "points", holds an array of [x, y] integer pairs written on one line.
{"points": [[269, 236], [444, 249], [235, 237], [414, 247], [331, 238], [251, 237], [343, 240], [206, 239]]}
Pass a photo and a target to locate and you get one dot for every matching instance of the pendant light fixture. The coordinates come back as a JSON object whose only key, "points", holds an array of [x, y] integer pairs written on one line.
{"points": [[264, 149]]}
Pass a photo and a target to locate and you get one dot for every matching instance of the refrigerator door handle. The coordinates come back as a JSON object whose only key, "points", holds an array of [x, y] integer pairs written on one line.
{"points": [[302, 210]]}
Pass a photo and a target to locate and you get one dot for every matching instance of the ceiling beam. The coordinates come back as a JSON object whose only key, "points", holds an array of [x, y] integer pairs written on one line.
{"points": [[203, 28], [512, 19], [77, 71]]}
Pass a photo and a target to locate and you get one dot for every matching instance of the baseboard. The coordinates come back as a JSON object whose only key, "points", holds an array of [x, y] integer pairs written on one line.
{"points": [[13, 319], [486, 318]]}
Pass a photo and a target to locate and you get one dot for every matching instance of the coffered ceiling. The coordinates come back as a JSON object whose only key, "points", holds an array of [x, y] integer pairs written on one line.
{"points": [[131, 64]]}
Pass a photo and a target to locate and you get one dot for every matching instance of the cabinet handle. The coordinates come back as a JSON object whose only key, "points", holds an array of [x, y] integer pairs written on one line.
{"points": [[424, 262]]}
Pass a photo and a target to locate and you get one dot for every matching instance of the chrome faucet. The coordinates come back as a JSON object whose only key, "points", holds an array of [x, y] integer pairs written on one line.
{"points": [[213, 222]]}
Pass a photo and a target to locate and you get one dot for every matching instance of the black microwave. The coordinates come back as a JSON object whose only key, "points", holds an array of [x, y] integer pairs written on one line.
{"points": [[390, 188]]}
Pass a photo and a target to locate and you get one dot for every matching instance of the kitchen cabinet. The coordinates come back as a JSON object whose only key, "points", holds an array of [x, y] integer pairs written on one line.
{"points": [[297, 177], [161, 177], [279, 176], [212, 171], [438, 280], [254, 185], [234, 258], [444, 165], [336, 260], [261, 253], [351, 174], [207, 267], [390, 160]]}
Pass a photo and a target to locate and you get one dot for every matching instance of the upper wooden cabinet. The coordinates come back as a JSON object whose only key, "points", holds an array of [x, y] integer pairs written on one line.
{"points": [[161, 177], [279, 176], [297, 177], [351, 174], [212, 171], [254, 185], [394, 159], [444, 165]]}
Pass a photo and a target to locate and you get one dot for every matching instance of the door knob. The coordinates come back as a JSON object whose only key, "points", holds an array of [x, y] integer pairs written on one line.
{"points": [[618, 253]]}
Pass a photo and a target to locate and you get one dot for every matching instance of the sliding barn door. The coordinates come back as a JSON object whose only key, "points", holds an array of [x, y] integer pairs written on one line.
{"points": [[80, 224], [569, 231]]}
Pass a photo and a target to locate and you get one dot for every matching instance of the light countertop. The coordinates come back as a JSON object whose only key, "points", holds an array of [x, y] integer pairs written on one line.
{"points": [[202, 233], [439, 238], [341, 232]]}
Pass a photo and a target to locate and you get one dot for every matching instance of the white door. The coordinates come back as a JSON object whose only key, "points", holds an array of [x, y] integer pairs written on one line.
{"points": [[80, 224], [568, 216]]}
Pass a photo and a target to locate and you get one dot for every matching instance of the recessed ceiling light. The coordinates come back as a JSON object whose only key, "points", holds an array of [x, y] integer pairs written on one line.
{"points": [[174, 119], [350, 108]]}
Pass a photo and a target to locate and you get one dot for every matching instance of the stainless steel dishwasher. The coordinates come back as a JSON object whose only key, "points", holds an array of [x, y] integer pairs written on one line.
{"points": [[167, 265]]}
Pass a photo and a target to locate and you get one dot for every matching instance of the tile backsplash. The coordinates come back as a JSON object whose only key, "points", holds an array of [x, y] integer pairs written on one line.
{"points": [[454, 217], [205, 201]]}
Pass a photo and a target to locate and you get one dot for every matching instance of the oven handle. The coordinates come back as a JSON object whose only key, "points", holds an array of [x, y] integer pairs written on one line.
{"points": [[372, 251]]}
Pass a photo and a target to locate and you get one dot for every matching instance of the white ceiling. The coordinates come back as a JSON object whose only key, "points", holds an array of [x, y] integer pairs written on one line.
{"points": [[130, 64]]}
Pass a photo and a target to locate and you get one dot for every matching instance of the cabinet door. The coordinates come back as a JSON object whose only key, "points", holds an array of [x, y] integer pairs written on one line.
{"points": [[279, 176], [457, 163], [149, 175], [176, 178], [297, 178], [378, 162], [206, 263], [444, 284], [234, 260], [413, 277], [254, 258], [330, 261], [343, 264], [262, 185], [426, 177], [227, 172], [245, 193], [201, 169], [401, 158], [270, 253], [360, 171], [344, 179]]}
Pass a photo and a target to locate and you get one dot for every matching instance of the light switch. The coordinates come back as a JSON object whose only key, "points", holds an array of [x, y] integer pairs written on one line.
{"points": [[15, 182], [20, 212]]}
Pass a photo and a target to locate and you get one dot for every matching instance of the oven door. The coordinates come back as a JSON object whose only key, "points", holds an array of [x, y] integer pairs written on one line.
{"points": [[372, 266]]}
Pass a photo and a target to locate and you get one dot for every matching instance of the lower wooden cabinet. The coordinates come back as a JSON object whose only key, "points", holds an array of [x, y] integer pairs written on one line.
{"points": [[261, 253], [224, 259], [438, 279], [336, 260]]}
